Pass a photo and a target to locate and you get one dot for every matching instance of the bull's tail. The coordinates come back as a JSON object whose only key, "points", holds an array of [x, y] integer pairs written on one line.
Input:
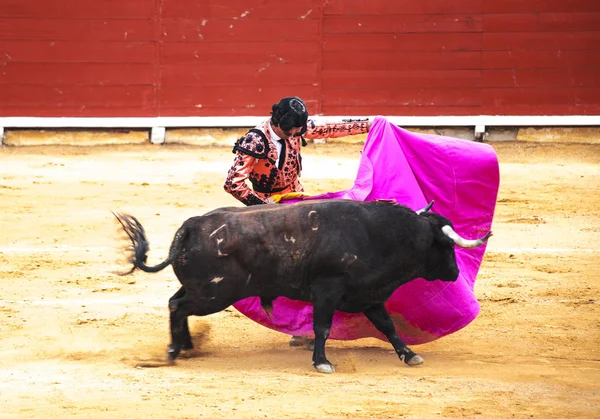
{"points": [[139, 245]]}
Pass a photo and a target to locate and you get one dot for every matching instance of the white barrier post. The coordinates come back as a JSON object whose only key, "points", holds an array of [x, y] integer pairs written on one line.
{"points": [[479, 133], [157, 135]]}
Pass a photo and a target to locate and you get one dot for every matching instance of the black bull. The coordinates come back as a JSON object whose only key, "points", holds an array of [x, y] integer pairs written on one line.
{"points": [[336, 254]]}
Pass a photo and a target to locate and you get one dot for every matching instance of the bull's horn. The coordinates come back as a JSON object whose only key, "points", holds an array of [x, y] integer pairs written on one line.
{"points": [[427, 208], [448, 231]]}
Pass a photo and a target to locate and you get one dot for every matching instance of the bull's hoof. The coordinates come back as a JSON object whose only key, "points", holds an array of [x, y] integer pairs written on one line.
{"points": [[326, 368], [173, 352], [415, 360]]}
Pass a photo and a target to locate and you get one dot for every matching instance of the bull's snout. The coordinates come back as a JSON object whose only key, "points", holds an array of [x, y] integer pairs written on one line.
{"points": [[451, 275]]}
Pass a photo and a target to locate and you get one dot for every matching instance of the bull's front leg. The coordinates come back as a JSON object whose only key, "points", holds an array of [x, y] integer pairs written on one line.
{"points": [[381, 319]]}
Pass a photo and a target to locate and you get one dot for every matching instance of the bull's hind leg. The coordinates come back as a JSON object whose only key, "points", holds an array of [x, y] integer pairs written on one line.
{"points": [[380, 318], [186, 338], [181, 309]]}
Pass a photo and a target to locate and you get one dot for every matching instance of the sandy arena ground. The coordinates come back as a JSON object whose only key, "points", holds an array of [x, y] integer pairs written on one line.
{"points": [[77, 339]]}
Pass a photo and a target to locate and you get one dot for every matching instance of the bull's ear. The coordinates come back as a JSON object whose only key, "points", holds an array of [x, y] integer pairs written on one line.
{"points": [[426, 209]]}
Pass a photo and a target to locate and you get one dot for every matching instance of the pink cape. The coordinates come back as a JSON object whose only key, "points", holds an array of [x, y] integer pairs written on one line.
{"points": [[463, 179]]}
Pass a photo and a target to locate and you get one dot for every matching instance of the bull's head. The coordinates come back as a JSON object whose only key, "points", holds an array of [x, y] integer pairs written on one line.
{"points": [[441, 259]]}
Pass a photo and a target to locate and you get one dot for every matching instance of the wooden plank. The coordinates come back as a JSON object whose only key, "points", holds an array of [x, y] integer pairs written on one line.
{"points": [[239, 52], [541, 6], [399, 42], [77, 29], [77, 51], [241, 108], [541, 22], [377, 60], [403, 78], [542, 109], [539, 59], [396, 7], [233, 110], [78, 8], [550, 78], [239, 74], [515, 41], [241, 9], [229, 30], [401, 110], [392, 96], [427, 23], [28, 96], [272, 48], [77, 74], [78, 111], [530, 96], [587, 96], [257, 98]]}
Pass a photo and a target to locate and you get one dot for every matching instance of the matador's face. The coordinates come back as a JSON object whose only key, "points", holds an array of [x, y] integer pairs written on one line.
{"points": [[287, 134]]}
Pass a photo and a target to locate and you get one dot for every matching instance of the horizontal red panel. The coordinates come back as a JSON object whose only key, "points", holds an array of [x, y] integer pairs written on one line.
{"points": [[261, 74], [540, 59], [76, 96], [542, 40], [239, 52], [77, 29], [77, 51], [234, 110], [402, 110], [387, 96], [369, 24], [541, 22], [452, 60], [241, 9], [402, 42], [78, 111], [542, 96], [78, 8], [396, 7], [541, 77], [403, 78], [61, 74], [542, 109], [256, 98], [212, 111], [238, 109], [540, 6], [462, 111], [328, 110], [231, 30], [271, 48]]}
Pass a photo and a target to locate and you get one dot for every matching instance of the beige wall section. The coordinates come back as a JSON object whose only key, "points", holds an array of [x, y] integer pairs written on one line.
{"points": [[588, 135], [205, 136], [74, 137], [226, 137]]}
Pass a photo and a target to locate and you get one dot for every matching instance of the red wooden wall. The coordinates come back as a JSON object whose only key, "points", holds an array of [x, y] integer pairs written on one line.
{"points": [[344, 57]]}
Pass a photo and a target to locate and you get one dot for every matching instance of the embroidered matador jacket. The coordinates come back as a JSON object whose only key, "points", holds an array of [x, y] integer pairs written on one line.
{"points": [[256, 160]]}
